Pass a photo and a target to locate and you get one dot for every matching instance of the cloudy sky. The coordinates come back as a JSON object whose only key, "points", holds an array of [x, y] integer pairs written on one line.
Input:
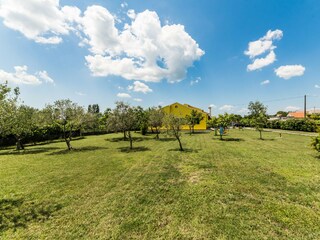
{"points": [[149, 52]]}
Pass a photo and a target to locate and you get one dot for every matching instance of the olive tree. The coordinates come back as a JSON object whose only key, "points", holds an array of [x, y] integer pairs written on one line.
{"points": [[213, 123], [194, 118], [156, 118], [68, 115], [123, 119], [258, 115], [16, 119], [223, 121], [174, 126]]}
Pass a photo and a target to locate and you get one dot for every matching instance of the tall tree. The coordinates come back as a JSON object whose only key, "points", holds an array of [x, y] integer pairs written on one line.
{"points": [[123, 119], [94, 108], [224, 121], [213, 123], [156, 117], [142, 120], [174, 126], [68, 115], [258, 115], [16, 119], [194, 118]]}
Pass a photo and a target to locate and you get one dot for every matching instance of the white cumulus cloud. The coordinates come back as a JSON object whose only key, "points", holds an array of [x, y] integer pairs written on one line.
{"points": [[144, 50], [317, 86], [44, 76], [123, 95], [131, 14], [42, 21], [291, 108], [140, 87], [137, 99], [81, 94], [289, 71], [265, 82], [243, 110], [264, 44], [124, 4], [226, 108], [195, 81], [261, 46], [21, 76], [262, 62]]}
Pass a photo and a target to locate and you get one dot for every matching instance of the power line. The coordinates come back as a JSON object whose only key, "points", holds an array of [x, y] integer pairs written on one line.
{"points": [[273, 100]]}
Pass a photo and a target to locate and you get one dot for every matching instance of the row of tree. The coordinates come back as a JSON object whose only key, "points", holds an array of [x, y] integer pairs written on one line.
{"points": [[64, 118], [257, 118]]}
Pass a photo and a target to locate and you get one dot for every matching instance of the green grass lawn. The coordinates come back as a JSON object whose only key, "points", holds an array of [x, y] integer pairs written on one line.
{"points": [[240, 188]]}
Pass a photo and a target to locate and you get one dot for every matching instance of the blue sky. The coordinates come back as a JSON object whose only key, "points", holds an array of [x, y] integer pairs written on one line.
{"points": [[202, 64]]}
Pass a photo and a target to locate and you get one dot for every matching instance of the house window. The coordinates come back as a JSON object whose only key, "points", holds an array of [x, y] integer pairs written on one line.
{"points": [[176, 106]]}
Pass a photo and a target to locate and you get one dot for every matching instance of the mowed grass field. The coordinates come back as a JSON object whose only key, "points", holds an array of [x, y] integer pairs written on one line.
{"points": [[239, 188]]}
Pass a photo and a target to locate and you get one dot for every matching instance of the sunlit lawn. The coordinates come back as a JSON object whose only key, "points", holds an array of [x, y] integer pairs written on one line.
{"points": [[239, 188]]}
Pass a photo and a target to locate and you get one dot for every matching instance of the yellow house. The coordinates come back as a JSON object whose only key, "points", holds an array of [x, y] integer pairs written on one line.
{"points": [[181, 110]]}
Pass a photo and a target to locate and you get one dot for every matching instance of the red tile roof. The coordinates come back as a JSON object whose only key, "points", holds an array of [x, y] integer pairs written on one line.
{"points": [[296, 114]]}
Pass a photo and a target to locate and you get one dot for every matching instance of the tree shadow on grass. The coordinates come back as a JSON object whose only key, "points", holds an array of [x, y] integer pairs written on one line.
{"points": [[231, 140], [134, 149], [166, 139], [82, 149], [197, 133], [317, 157], [134, 139], [17, 213], [185, 150], [27, 151], [54, 141]]}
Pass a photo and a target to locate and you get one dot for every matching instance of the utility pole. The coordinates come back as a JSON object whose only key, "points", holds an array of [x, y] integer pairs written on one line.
{"points": [[305, 106], [209, 111]]}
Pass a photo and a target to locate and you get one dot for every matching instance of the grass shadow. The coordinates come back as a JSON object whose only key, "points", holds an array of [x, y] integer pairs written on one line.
{"points": [[28, 151], [17, 213], [134, 149], [82, 149]]}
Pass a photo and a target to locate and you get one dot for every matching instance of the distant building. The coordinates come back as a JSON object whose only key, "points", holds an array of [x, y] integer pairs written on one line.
{"points": [[182, 110], [297, 114], [300, 114]]}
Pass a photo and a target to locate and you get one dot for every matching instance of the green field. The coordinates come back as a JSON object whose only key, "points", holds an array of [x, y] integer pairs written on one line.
{"points": [[239, 188]]}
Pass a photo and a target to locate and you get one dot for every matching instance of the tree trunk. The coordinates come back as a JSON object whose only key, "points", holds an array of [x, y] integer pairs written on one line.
{"points": [[67, 139], [215, 131], [157, 136], [19, 145], [130, 138], [180, 145], [124, 136], [68, 142], [260, 134], [192, 129]]}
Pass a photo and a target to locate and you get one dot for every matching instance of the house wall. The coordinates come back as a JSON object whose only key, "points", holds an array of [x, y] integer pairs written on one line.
{"points": [[180, 110]]}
